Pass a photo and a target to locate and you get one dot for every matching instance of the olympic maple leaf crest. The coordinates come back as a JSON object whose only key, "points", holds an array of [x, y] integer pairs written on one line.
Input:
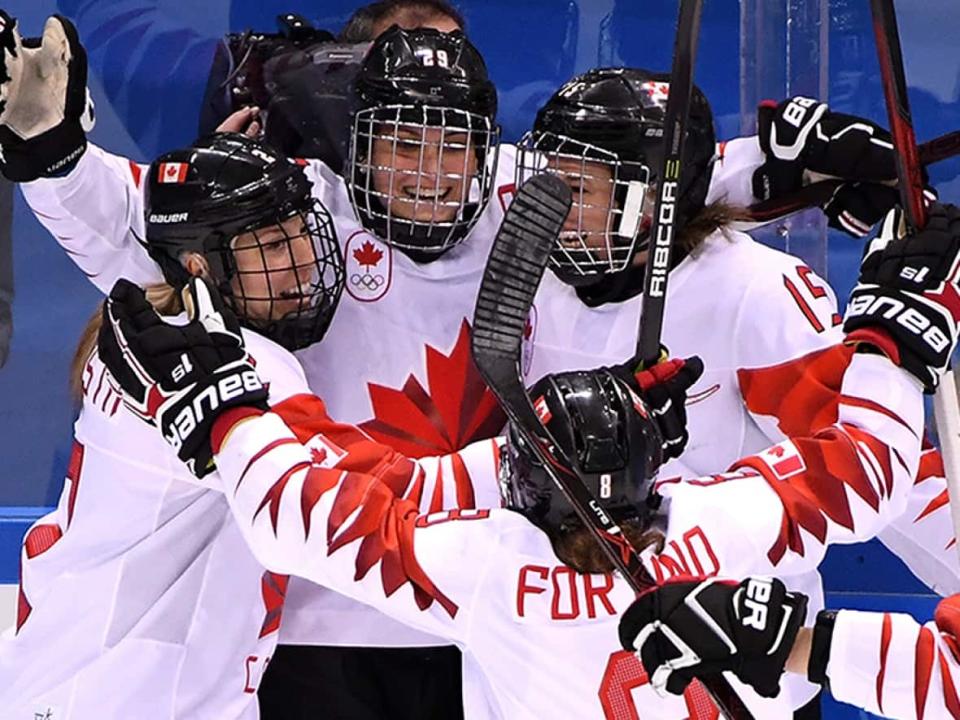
{"points": [[368, 255], [455, 409]]}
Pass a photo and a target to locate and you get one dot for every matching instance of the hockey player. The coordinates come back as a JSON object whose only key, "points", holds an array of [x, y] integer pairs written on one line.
{"points": [[500, 592], [401, 331], [127, 585], [400, 335]]}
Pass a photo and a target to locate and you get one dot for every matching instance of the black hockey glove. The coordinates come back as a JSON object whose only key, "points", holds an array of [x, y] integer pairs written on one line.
{"points": [[664, 389], [906, 301], [693, 629], [179, 378], [45, 109], [803, 140]]}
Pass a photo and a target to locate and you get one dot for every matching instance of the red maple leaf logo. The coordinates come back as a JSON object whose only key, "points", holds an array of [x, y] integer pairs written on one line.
{"points": [[367, 255], [454, 410], [317, 456]]}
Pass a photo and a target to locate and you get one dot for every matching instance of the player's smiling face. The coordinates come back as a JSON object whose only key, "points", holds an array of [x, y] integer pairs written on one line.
{"points": [[424, 173], [275, 267], [590, 216]]}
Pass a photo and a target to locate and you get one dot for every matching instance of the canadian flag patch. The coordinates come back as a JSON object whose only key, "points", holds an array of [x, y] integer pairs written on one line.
{"points": [[784, 459], [172, 172], [543, 412]]}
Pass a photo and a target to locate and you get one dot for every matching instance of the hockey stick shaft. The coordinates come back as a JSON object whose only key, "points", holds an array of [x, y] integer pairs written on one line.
{"points": [[514, 269], [663, 228], [819, 193], [946, 410], [890, 56]]}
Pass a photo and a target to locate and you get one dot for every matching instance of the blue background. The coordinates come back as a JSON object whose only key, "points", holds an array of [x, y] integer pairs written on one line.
{"points": [[149, 63]]}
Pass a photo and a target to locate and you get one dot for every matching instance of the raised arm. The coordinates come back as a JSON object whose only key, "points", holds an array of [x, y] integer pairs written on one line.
{"points": [[801, 141], [89, 200]]}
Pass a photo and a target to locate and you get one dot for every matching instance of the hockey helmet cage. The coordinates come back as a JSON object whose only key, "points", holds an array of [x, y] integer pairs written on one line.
{"points": [[203, 197], [614, 118], [423, 147]]}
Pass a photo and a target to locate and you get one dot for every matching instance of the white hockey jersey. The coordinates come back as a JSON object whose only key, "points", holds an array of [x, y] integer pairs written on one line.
{"points": [[139, 597], [890, 665], [537, 636]]}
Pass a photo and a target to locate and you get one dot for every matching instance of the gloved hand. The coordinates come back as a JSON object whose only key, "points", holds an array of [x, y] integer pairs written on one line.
{"points": [[45, 109], [664, 389], [804, 141], [693, 629], [906, 301], [179, 378]]}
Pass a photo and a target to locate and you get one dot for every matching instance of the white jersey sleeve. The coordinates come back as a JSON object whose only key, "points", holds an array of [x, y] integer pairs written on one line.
{"points": [[890, 665], [732, 179], [322, 501], [776, 512], [96, 214], [923, 536]]}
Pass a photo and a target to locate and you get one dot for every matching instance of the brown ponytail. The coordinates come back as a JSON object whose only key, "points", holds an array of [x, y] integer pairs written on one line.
{"points": [[713, 217], [578, 548]]}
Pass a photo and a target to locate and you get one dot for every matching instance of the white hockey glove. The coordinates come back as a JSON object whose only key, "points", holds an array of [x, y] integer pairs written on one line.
{"points": [[180, 378], [907, 300], [688, 629], [45, 109], [804, 141]]}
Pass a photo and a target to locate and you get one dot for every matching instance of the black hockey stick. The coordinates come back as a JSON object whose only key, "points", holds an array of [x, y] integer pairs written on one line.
{"points": [[514, 269], [909, 173], [664, 225], [946, 399], [819, 193]]}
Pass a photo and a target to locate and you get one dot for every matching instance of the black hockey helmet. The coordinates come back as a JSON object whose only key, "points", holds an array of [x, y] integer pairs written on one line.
{"points": [[606, 430], [228, 194], [614, 117], [423, 150]]}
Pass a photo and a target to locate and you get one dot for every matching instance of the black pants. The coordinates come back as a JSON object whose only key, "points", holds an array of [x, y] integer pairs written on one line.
{"points": [[810, 711], [344, 683]]}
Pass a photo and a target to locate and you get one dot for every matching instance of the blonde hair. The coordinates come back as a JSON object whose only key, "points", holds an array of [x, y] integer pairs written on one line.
{"points": [[165, 300]]}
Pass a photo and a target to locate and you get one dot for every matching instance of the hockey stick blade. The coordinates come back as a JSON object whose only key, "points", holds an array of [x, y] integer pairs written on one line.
{"points": [[514, 269], [819, 193], [512, 275], [516, 264]]}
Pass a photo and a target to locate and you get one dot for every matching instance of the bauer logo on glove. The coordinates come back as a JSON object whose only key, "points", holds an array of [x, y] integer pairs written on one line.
{"points": [[906, 302], [179, 377]]}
